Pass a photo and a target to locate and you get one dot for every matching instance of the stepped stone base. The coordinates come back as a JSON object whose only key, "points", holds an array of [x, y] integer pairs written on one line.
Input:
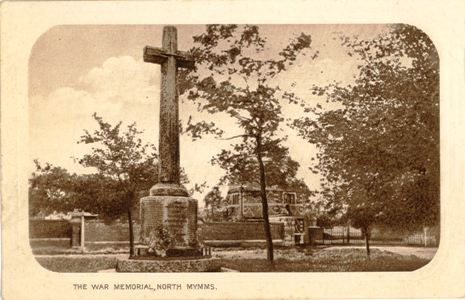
{"points": [[171, 264]]}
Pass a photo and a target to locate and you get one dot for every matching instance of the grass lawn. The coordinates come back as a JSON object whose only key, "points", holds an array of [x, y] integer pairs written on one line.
{"points": [[337, 260], [253, 260]]}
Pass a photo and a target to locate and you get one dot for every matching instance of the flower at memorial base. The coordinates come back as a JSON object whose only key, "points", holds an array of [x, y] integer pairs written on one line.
{"points": [[159, 241], [194, 242]]}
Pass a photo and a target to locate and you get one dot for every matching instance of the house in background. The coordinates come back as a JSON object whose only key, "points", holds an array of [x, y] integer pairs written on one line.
{"points": [[243, 203]]}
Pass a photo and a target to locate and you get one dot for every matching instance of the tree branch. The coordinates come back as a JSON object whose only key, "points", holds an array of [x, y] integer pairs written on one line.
{"points": [[234, 137]]}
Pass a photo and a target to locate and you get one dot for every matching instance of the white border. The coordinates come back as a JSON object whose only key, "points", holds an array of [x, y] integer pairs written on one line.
{"points": [[23, 22]]}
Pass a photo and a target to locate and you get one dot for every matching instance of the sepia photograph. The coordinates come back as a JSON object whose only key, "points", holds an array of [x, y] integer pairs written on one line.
{"points": [[234, 148]]}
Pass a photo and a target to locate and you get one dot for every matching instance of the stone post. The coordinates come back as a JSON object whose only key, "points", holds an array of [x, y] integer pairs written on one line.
{"points": [[75, 232]]}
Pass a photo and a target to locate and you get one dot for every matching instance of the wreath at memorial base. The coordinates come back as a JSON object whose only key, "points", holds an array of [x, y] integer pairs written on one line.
{"points": [[159, 241]]}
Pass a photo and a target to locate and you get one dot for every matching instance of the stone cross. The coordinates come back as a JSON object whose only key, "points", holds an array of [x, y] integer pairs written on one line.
{"points": [[169, 206], [170, 60]]}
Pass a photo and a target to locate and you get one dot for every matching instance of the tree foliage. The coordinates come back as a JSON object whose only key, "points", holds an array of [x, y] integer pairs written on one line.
{"points": [[379, 152]]}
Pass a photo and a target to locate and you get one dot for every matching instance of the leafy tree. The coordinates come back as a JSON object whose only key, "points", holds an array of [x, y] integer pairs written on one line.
{"points": [[379, 152], [50, 189], [235, 78], [121, 157], [53, 189]]}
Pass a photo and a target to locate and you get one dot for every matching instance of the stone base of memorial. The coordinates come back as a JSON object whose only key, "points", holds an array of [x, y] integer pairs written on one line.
{"points": [[168, 236], [168, 264]]}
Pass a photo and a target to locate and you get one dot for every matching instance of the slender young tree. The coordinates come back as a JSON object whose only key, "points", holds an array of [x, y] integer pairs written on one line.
{"points": [[122, 157], [235, 78]]}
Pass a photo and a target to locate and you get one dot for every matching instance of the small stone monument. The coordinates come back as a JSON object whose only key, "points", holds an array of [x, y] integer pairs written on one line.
{"points": [[168, 215], [77, 222]]}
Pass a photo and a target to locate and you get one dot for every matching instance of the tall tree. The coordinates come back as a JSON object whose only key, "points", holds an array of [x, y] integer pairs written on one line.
{"points": [[235, 78], [122, 157], [379, 153]]}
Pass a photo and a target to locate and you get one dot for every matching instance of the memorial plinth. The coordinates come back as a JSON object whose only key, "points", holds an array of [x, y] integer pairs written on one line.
{"points": [[176, 214]]}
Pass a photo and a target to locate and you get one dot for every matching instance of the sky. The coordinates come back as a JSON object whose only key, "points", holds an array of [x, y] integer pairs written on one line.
{"points": [[77, 70]]}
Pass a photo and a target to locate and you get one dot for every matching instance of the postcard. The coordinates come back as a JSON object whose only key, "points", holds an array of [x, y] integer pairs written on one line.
{"points": [[232, 150]]}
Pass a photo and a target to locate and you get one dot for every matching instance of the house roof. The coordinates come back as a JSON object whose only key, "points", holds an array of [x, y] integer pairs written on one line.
{"points": [[78, 213]]}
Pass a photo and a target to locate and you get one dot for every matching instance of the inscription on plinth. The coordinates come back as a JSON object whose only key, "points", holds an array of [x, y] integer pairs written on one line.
{"points": [[178, 215], [176, 221]]}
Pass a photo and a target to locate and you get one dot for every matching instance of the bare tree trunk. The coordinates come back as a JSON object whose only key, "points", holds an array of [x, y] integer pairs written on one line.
{"points": [[367, 240], [266, 221], [131, 234]]}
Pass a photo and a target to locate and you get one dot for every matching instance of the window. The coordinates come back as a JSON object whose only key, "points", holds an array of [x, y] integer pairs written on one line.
{"points": [[289, 198], [235, 198]]}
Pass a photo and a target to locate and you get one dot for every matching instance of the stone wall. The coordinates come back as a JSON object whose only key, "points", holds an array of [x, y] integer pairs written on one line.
{"points": [[58, 234], [235, 231], [49, 233], [99, 235], [43, 229], [97, 231]]}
